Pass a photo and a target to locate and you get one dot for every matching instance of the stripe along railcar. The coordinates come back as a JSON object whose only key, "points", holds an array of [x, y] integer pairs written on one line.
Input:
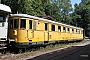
{"points": [[4, 14], [27, 30]]}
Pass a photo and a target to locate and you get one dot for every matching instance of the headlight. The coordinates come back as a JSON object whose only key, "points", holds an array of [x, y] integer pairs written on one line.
{"points": [[14, 32]]}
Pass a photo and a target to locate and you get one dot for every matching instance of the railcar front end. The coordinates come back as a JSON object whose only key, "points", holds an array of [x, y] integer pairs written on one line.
{"points": [[4, 14]]}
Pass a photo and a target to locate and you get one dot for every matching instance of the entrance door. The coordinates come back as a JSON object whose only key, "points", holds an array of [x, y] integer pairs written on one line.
{"points": [[46, 33], [22, 33], [30, 31]]}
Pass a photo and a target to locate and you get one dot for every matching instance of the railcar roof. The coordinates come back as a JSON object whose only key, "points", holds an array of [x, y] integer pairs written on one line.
{"points": [[34, 17], [5, 8]]}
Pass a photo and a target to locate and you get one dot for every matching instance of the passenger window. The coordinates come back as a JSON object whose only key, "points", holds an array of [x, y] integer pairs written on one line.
{"points": [[30, 24], [34, 25], [72, 30], [53, 27], [59, 28], [68, 29], [11, 24], [64, 29], [46, 26], [23, 23], [16, 23], [77, 31]]}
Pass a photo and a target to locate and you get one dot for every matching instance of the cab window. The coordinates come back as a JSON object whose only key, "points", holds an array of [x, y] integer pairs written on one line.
{"points": [[2, 18], [23, 23], [11, 24], [16, 23]]}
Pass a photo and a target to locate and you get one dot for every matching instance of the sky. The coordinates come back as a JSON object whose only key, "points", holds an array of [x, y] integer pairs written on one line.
{"points": [[75, 1]]}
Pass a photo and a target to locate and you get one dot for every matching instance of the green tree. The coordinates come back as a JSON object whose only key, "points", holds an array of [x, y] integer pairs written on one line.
{"points": [[65, 7], [81, 15], [58, 9], [38, 9], [20, 6]]}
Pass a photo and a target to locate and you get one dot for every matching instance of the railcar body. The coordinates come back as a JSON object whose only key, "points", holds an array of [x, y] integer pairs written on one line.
{"points": [[4, 15], [27, 30]]}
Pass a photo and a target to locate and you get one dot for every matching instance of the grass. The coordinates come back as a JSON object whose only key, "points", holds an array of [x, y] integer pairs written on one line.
{"points": [[33, 51]]}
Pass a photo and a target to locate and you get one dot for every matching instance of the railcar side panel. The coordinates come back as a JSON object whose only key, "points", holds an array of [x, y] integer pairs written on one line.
{"points": [[34, 30]]}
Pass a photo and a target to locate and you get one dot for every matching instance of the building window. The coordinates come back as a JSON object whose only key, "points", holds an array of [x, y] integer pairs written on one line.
{"points": [[53, 27], [59, 28], [11, 24], [64, 29], [23, 23], [46, 28], [30, 24], [16, 23]]}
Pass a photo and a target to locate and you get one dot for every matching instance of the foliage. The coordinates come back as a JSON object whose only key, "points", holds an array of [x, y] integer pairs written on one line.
{"points": [[58, 9], [81, 15]]}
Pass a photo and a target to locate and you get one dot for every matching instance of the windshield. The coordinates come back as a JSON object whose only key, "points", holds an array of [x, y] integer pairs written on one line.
{"points": [[23, 23], [2, 20], [14, 23]]}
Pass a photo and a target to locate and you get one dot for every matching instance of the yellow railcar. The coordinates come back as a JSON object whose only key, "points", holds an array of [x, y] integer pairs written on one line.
{"points": [[25, 30]]}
